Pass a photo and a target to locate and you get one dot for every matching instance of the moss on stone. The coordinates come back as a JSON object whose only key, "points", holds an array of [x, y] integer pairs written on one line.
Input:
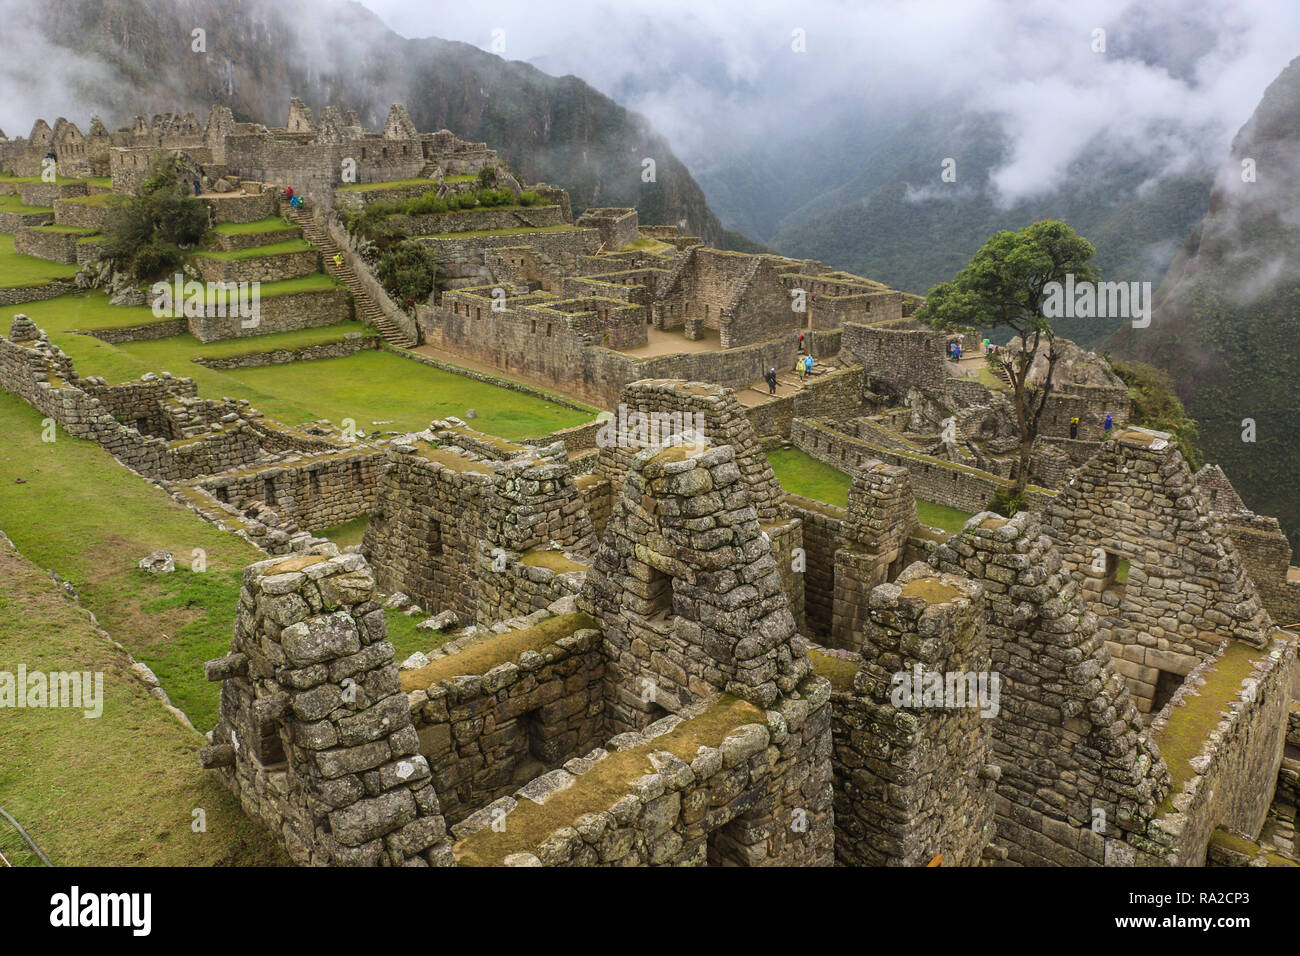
{"points": [[555, 560], [491, 650], [836, 670], [931, 590], [600, 787], [1190, 724]]}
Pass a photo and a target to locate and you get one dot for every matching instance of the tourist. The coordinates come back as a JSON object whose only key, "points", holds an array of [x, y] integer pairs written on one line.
{"points": [[807, 364], [988, 347], [197, 188], [1109, 424], [1074, 428], [338, 258], [801, 343], [798, 368], [771, 381]]}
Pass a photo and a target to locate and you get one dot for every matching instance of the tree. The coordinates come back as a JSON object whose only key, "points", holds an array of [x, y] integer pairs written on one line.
{"points": [[1005, 286], [144, 235]]}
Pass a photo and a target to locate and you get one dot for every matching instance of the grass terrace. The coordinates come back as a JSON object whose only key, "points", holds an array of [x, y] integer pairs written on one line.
{"points": [[14, 203], [66, 230], [257, 252], [368, 387], [120, 789], [802, 474], [394, 184], [17, 269], [600, 787], [258, 227], [70, 507], [515, 231], [94, 199]]}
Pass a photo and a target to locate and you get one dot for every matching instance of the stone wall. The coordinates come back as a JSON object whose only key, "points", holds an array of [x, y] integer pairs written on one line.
{"points": [[269, 268], [318, 492], [1232, 774], [1187, 590], [1079, 773], [728, 785], [686, 590], [47, 242], [340, 349], [880, 517], [914, 779], [933, 479], [822, 538], [277, 313], [315, 735], [17, 295], [490, 725]]}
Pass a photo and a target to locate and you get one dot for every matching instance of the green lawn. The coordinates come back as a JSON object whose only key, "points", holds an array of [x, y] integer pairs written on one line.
{"points": [[802, 474], [14, 203], [119, 789], [350, 532], [269, 224], [17, 269], [256, 252], [66, 230], [367, 187], [367, 387], [381, 386], [80, 513]]}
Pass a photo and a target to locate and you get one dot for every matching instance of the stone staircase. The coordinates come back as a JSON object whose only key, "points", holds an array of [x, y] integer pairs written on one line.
{"points": [[368, 310]]}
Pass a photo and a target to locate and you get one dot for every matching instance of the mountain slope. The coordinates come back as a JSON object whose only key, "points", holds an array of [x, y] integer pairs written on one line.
{"points": [[1227, 318], [135, 56], [896, 221]]}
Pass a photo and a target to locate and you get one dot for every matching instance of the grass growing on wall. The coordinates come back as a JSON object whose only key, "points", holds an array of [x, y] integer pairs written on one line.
{"points": [[257, 252]]}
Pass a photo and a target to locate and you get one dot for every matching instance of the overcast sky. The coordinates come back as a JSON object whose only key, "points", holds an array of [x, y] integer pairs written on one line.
{"points": [[1177, 79]]}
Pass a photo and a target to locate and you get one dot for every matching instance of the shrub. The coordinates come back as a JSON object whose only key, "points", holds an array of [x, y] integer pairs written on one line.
{"points": [[407, 271], [530, 197], [1006, 502]]}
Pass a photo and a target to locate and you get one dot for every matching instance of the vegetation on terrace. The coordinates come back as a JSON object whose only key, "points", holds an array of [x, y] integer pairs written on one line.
{"points": [[17, 269], [801, 474]]}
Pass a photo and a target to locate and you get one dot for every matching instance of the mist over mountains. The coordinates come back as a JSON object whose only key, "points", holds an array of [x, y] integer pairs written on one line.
{"points": [[116, 58]]}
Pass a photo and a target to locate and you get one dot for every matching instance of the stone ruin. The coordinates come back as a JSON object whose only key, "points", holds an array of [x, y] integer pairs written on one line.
{"points": [[664, 704]]}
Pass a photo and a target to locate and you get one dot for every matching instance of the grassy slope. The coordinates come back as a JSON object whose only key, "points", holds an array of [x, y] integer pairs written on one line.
{"points": [[80, 513], [801, 474], [115, 790]]}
